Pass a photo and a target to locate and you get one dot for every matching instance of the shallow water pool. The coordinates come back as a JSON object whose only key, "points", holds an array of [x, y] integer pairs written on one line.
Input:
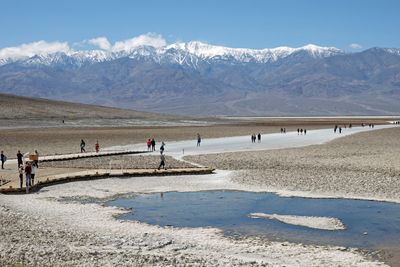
{"points": [[369, 224]]}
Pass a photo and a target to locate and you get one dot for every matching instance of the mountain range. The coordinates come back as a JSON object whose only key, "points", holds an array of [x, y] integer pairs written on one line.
{"points": [[195, 78]]}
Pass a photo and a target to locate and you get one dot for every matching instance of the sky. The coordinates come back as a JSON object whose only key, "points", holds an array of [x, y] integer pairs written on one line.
{"points": [[350, 25]]}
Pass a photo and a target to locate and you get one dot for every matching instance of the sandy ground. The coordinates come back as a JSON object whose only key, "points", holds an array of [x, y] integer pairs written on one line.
{"points": [[364, 165]]}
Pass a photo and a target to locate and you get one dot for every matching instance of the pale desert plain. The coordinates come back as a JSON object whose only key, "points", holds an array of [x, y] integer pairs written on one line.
{"points": [[43, 229]]}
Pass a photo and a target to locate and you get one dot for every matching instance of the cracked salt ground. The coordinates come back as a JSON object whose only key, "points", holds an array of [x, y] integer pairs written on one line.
{"points": [[230, 210]]}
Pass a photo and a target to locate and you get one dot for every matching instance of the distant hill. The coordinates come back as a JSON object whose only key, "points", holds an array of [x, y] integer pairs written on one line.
{"points": [[13, 107], [200, 79]]}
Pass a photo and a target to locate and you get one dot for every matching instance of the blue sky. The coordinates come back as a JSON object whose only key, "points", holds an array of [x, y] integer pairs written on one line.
{"points": [[253, 24]]}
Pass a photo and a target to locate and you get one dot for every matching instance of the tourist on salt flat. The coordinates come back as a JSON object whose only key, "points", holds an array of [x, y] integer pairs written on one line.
{"points": [[33, 173], [28, 171], [162, 161], [97, 146], [3, 159], [19, 158], [198, 139], [83, 144]]}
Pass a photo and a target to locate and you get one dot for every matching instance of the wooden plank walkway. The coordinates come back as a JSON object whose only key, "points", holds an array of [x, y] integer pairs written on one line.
{"points": [[102, 174], [88, 155]]}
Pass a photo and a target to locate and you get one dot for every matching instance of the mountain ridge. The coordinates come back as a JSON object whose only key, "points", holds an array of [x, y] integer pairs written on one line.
{"points": [[179, 82]]}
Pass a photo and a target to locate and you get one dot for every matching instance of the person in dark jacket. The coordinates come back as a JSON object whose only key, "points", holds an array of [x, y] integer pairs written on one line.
{"points": [[19, 158], [3, 159]]}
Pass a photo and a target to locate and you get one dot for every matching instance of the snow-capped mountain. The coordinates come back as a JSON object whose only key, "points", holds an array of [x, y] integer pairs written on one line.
{"points": [[189, 53]]}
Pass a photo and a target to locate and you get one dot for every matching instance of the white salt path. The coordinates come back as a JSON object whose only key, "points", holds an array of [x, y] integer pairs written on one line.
{"points": [[243, 143], [323, 223]]}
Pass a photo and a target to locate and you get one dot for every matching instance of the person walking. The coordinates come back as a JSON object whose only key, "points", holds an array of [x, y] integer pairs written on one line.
{"points": [[162, 148], [162, 161], [153, 144], [198, 139], [28, 171], [305, 131], [3, 159], [259, 137], [83, 144], [21, 175], [340, 130], [97, 146], [298, 131], [19, 158]]}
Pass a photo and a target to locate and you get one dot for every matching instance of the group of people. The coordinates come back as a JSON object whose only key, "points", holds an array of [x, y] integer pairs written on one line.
{"points": [[151, 144], [255, 138], [29, 168], [283, 130], [300, 131], [83, 145]]}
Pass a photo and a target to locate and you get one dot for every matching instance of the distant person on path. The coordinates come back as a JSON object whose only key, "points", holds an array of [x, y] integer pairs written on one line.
{"points": [[3, 159], [19, 158], [340, 130], [284, 130], [301, 131], [153, 144], [162, 161], [21, 175], [335, 129], [162, 147], [28, 171], [97, 146], [83, 144], [259, 137], [33, 173], [198, 139], [148, 144], [298, 131], [305, 131]]}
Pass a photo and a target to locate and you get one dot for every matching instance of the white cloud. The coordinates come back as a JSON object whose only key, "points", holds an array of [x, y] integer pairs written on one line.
{"points": [[43, 47], [149, 39], [35, 48], [355, 46], [101, 42]]}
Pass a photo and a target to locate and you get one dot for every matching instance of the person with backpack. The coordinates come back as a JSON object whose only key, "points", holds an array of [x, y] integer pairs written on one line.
{"points": [[3, 159]]}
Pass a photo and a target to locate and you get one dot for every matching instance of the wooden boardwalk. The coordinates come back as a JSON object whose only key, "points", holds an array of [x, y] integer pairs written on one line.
{"points": [[99, 174], [88, 155]]}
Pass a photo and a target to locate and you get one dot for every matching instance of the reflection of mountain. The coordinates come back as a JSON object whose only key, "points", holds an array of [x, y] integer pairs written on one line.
{"points": [[196, 78]]}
